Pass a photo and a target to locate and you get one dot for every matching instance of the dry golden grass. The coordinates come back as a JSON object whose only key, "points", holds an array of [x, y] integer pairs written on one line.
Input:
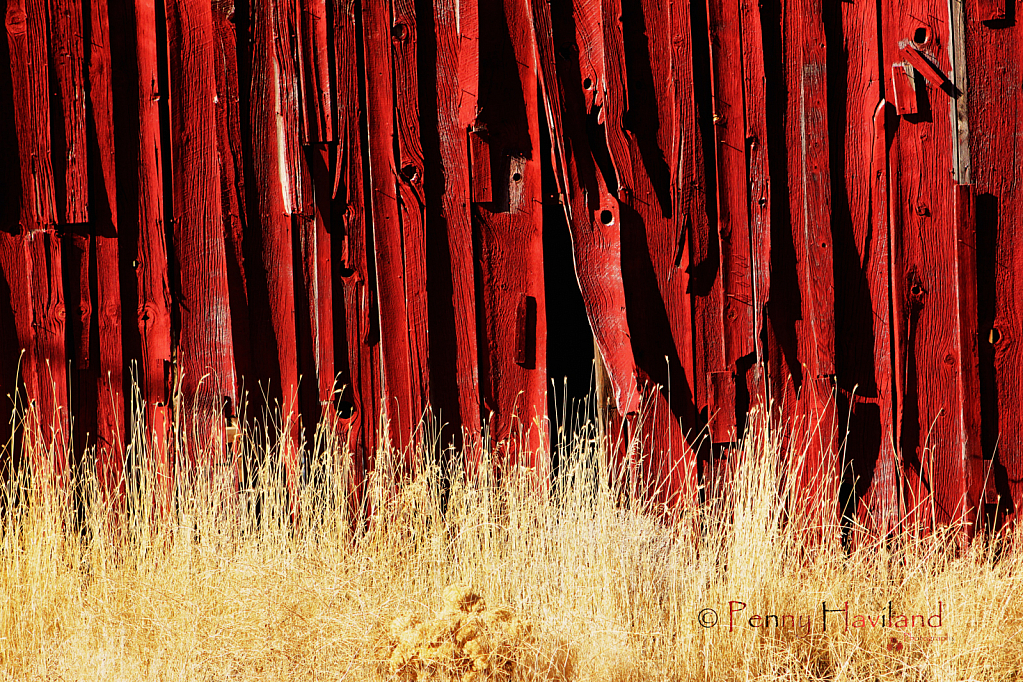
{"points": [[457, 580]]}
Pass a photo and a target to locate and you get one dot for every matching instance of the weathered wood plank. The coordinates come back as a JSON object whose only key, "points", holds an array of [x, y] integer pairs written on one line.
{"points": [[809, 297], [111, 423], [590, 208], [511, 243], [412, 199], [314, 308], [968, 358], [993, 95], [233, 197], [48, 313], [318, 116], [27, 44], [402, 338], [859, 179], [655, 249], [459, 148], [205, 348], [276, 167], [729, 29], [359, 358], [67, 55], [153, 312], [923, 292]]}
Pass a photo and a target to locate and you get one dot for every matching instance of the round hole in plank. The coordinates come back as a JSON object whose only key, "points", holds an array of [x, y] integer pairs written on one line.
{"points": [[587, 83], [517, 176], [922, 36], [607, 217], [409, 172], [916, 290], [399, 31]]}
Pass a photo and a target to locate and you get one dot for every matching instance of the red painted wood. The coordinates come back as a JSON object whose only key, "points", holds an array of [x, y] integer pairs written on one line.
{"points": [[992, 95], [511, 245], [110, 367], [276, 165], [153, 316], [923, 278], [990, 10], [67, 56], [314, 73], [205, 350], [904, 88], [101, 101], [814, 437], [361, 399], [48, 314], [402, 334], [110, 418], [615, 98], [27, 44], [758, 205], [863, 365], [973, 464], [479, 160], [316, 306], [18, 333], [655, 250], [233, 197], [591, 210], [728, 27], [412, 199], [464, 157]]}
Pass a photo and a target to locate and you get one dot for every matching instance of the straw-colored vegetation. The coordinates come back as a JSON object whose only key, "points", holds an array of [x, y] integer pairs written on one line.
{"points": [[457, 580]]}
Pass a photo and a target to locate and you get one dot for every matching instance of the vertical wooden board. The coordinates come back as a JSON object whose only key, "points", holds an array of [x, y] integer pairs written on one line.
{"points": [[453, 315], [27, 44], [968, 357], [615, 99], [359, 357], [860, 232], [77, 250], [991, 92], [48, 315], [110, 415], [591, 210], [589, 38], [758, 207], [17, 373], [231, 154], [923, 279], [728, 29], [66, 54], [412, 199], [314, 73], [103, 192], [278, 186], [810, 189], [111, 421], [205, 349], [655, 249], [400, 340], [810, 295], [314, 293], [511, 243], [17, 333], [149, 246]]}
